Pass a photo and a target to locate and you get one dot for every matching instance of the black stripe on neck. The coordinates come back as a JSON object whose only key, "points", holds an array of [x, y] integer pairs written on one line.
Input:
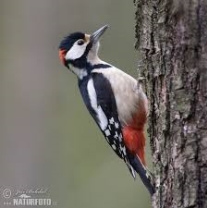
{"points": [[83, 64], [99, 66], [90, 68]]}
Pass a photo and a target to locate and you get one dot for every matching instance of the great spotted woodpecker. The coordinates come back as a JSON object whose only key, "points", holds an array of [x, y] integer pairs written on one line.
{"points": [[114, 99]]}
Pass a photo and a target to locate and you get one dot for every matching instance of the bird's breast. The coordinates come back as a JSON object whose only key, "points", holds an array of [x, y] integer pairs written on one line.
{"points": [[129, 99]]}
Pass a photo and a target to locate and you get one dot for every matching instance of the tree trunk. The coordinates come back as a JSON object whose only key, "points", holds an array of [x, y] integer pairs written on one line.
{"points": [[172, 38]]}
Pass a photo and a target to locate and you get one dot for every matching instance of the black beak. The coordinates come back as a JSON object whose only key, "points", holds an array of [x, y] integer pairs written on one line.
{"points": [[97, 34]]}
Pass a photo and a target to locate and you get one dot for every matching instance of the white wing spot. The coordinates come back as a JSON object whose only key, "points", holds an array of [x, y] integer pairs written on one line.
{"points": [[107, 132], [117, 125], [113, 146], [120, 137], [111, 121], [123, 150]]}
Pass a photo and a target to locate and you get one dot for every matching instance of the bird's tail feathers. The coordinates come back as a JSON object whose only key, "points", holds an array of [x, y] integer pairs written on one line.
{"points": [[131, 169], [145, 175]]}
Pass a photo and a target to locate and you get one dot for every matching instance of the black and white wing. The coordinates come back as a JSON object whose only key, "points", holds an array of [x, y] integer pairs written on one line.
{"points": [[100, 101]]}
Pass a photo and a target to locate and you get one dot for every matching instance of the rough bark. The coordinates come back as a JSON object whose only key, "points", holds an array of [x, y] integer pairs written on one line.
{"points": [[172, 38]]}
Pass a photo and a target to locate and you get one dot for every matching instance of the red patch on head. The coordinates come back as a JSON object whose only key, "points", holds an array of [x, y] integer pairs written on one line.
{"points": [[62, 54]]}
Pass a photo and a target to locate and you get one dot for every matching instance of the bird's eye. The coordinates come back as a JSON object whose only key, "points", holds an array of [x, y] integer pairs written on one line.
{"points": [[80, 42]]}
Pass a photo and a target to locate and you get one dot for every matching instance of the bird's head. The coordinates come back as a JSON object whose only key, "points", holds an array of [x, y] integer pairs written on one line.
{"points": [[79, 49]]}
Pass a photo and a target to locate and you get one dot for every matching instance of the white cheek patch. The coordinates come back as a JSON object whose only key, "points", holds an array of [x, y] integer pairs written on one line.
{"points": [[76, 51]]}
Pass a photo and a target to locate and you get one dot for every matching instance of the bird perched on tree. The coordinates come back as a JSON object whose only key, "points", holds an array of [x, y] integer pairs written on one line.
{"points": [[114, 99]]}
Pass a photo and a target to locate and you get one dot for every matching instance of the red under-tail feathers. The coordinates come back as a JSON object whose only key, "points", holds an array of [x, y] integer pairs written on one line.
{"points": [[134, 137], [135, 142]]}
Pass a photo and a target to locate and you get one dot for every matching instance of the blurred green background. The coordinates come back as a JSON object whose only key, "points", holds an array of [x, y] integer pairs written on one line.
{"points": [[48, 140]]}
